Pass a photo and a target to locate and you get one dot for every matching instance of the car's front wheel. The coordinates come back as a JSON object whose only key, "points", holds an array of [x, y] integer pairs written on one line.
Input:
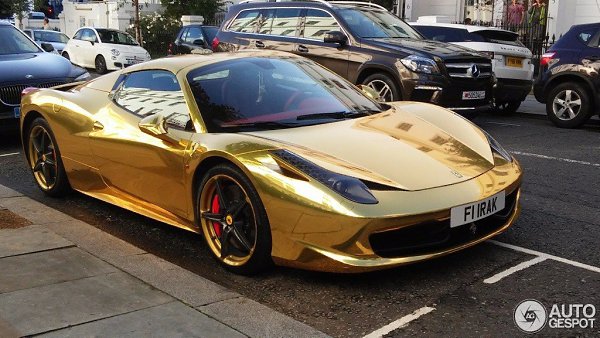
{"points": [[100, 64], [233, 220], [569, 105], [384, 86], [45, 161]]}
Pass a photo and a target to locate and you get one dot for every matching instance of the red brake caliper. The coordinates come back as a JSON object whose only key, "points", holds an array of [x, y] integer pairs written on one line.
{"points": [[215, 210]]}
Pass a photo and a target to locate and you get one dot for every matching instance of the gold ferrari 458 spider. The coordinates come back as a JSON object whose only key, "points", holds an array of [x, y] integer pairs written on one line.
{"points": [[274, 159]]}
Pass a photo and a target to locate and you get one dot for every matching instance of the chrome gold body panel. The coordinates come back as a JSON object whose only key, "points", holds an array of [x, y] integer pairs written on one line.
{"points": [[429, 159]]}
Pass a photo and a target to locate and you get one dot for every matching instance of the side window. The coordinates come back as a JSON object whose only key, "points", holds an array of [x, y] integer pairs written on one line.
{"points": [[285, 22], [265, 21], [78, 35], [37, 36], [245, 22], [590, 37], [317, 23], [193, 34], [150, 92]]}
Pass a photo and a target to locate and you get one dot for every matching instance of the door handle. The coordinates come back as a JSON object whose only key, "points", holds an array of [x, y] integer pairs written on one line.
{"points": [[97, 126], [259, 44], [302, 49]]}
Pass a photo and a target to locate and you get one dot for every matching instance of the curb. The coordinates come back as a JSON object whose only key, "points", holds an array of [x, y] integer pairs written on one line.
{"points": [[235, 311]]}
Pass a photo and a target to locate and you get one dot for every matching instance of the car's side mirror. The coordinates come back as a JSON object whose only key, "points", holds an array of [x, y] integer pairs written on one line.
{"points": [[47, 47], [336, 37], [199, 42], [155, 125], [370, 92]]}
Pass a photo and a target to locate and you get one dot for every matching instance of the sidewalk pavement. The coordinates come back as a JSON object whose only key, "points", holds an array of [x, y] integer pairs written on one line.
{"points": [[60, 277]]}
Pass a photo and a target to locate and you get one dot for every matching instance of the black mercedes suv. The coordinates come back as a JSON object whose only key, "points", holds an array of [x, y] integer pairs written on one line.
{"points": [[366, 44]]}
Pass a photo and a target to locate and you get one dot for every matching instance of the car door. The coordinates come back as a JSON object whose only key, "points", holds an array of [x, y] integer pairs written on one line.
{"points": [[278, 29], [315, 23], [244, 28], [86, 50], [136, 164]]}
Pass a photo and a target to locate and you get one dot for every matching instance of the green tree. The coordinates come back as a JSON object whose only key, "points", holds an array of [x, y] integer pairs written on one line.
{"points": [[19, 7], [206, 8]]}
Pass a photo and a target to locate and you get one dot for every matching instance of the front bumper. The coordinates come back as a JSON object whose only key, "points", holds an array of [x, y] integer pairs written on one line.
{"points": [[124, 61], [512, 90]]}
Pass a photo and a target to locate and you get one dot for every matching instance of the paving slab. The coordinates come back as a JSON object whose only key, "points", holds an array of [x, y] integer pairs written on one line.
{"points": [[256, 320], [57, 306], [6, 192], [49, 267], [34, 211], [28, 240], [171, 320], [174, 280]]}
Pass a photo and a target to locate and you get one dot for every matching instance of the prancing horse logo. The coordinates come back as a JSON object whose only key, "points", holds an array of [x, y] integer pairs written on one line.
{"points": [[29, 76]]}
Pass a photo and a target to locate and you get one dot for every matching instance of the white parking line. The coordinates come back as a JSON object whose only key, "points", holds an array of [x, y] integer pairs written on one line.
{"points": [[10, 154], [402, 322], [495, 278], [503, 124], [556, 158], [547, 256]]}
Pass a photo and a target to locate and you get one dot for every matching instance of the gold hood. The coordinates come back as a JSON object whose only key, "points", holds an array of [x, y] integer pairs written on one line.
{"points": [[412, 146]]}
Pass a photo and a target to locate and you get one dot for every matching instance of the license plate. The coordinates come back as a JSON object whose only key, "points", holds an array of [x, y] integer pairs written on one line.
{"points": [[472, 212], [17, 112], [514, 62], [474, 95]]}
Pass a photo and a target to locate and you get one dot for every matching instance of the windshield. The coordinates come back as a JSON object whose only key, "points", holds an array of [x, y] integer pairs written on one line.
{"points": [[369, 23], [12, 41], [50, 36], [271, 93], [116, 37]]}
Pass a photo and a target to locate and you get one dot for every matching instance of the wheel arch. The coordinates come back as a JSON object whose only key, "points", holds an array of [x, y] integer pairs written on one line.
{"points": [[371, 69], [25, 125], [571, 77]]}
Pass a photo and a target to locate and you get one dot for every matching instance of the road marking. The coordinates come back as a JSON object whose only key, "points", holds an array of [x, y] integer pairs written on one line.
{"points": [[524, 265], [402, 322], [547, 256], [504, 124], [10, 154], [556, 158]]}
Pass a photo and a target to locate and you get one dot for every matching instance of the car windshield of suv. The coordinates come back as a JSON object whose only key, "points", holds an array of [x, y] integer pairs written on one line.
{"points": [[116, 37], [370, 23], [12, 41], [50, 36], [272, 93]]}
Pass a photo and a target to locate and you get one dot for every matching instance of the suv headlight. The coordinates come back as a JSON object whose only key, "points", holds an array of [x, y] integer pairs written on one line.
{"points": [[115, 52], [348, 187], [420, 64], [496, 147]]}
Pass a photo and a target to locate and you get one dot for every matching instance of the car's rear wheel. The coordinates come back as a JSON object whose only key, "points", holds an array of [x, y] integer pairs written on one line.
{"points": [[509, 107], [569, 105], [233, 221], [45, 160], [384, 86], [66, 56], [100, 64]]}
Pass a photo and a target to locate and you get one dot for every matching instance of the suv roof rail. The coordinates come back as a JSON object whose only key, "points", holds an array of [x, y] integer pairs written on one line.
{"points": [[327, 3], [358, 3]]}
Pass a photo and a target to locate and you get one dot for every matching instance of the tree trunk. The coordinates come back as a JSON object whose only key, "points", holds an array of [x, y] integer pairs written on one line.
{"points": [[136, 22]]}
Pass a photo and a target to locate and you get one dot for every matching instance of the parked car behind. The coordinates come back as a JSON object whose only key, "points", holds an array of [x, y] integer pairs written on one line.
{"points": [[104, 49], [569, 80], [511, 60], [24, 64], [366, 44], [192, 37], [57, 39]]}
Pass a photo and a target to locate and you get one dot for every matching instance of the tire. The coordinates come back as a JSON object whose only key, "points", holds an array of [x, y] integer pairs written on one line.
{"points": [[509, 107], [384, 85], [66, 56], [243, 225], [575, 99], [44, 158], [100, 63]]}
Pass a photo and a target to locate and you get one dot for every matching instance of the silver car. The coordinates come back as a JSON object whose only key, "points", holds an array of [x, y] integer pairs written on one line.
{"points": [[56, 39]]}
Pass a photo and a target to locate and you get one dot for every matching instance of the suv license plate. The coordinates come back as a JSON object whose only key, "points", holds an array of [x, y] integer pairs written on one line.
{"points": [[514, 62], [472, 212], [475, 95]]}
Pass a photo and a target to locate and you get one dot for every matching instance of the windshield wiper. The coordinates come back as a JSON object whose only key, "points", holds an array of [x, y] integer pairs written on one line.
{"points": [[262, 125], [340, 115]]}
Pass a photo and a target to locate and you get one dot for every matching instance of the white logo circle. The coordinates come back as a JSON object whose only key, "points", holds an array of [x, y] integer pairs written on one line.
{"points": [[530, 316]]}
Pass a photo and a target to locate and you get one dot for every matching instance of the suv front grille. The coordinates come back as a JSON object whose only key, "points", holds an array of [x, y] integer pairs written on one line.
{"points": [[11, 95], [464, 69]]}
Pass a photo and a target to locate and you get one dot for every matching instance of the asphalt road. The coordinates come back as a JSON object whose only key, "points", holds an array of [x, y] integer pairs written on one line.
{"points": [[471, 293]]}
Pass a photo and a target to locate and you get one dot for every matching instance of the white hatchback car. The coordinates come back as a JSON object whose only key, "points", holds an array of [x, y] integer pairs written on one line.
{"points": [[104, 49], [511, 60]]}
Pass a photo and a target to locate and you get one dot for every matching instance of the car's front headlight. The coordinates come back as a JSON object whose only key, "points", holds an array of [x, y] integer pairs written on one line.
{"points": [[496, 147], [349, 187], [115, 52], [420, 64], [82, 77]]}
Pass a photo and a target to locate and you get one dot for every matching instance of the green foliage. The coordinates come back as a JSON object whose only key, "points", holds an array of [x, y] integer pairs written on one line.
{"points": [[206, 8], [9, 7], [157, 32]]}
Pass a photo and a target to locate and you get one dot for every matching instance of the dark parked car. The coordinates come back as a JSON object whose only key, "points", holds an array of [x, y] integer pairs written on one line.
{"points": [[192, 37], [23, 64], [569, 80], [366, 44]]}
